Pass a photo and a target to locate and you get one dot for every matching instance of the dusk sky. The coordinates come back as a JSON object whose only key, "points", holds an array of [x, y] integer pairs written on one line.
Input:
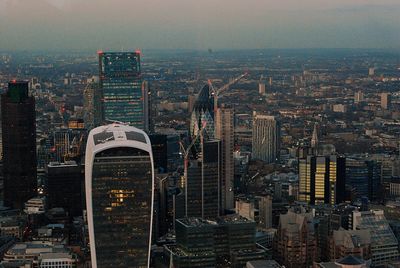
{"points": [[198, 24]]}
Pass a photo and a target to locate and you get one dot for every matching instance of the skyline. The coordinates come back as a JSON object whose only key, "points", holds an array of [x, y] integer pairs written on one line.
{"points": [[178, 24]]}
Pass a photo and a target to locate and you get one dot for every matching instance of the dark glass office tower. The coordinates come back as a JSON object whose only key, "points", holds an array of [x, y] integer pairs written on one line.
{"points": [[119, 181], [322, 179], [64, 187], [124, 98], [203, 182], [19, 144]]}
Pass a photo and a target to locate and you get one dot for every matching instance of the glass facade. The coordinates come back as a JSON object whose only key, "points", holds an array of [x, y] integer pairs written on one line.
{"points": [[322, 179], [203, 113], [121, 87], [121, 196], [19, 144], [203, 182]]}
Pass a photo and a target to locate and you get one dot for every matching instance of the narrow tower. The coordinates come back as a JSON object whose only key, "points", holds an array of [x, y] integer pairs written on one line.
{"points": [[314, 139], [19, 144]]}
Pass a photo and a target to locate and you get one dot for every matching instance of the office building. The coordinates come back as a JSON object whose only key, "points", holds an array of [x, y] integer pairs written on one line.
{"points": [[385, 100], [295, 242], [245, 208], [65, 187], [263, 264], [266, 138], [123, 94], [92, 114], [225, 133], [36, 205], [202, 182], [203, 113], [363, 178], [349, 261], [39, 254], [159, 146], [227, 241], [350, 242], [119, 180], [322, 179], [384, 245], [265, 212], [357, 174], [19, 144]]}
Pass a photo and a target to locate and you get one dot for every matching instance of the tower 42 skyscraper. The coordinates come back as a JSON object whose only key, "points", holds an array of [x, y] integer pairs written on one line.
{"points": [[19, 144], [119, 178]]}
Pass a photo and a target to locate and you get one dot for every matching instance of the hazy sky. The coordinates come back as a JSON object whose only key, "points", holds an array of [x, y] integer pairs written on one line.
{"points": [[198, 24]]}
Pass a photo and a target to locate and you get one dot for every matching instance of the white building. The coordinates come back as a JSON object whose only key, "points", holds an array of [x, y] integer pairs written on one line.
{"points": [[119, 177]]}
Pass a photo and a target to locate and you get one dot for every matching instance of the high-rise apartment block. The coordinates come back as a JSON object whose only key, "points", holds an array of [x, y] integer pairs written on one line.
{"points": [[19, 144], [266, 138], [225, 133], [92, 115]]}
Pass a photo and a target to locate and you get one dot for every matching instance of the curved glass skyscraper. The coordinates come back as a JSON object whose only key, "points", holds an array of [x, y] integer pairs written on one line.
{"points": [[203, 113], [119, 195]]}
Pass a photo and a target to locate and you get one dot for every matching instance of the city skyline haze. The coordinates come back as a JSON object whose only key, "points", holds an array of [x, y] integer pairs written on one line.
{"points": [[179, 24]]}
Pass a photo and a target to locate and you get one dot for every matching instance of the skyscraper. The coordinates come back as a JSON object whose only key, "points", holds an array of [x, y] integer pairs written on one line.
{"points": [[92, 104], [203, 113], [225, 133], [266, 138], [322, 179], [202, 182], [119, 178], [123, 93], [19, 144]]}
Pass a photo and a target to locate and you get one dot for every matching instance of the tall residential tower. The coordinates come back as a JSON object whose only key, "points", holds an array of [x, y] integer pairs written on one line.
{"points": [[266, 138], [225, 133]]}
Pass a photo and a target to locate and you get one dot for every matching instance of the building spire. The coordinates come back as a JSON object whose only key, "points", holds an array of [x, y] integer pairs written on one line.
{"points": [[314, 139]]}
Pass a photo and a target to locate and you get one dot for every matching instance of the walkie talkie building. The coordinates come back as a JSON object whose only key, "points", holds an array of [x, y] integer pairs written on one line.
{"points": [[119, 178]]}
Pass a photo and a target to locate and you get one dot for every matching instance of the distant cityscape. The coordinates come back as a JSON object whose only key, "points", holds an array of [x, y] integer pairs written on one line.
{"points": [[191, 158]]}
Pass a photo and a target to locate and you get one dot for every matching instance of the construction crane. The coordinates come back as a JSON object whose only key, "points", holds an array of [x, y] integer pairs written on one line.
{"points": [[186, 151], [217, 92], [74, 149]]}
